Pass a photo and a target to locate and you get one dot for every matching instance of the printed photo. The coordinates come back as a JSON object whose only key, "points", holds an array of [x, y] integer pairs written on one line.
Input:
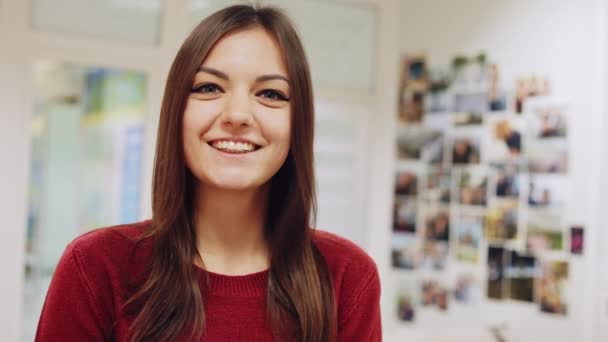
{"points": [[520, 273], [420, 144], [413, 87], [507, 179], [468, 231], [577, 240], [546, 120], [496, 273], [438, 99], [546, 192], [434, 294], [404, 214], [408, 296], [467, 118], [501, 221], [465, 150], [470, 71], [439, 182], [435, 254], [528, 87], [473, 186], [406, 183], [405, 251], [547, 156], [466, 289], [496, 98], [545, 232], [473, 103], [437, 224], [506, 143], [551, 287]]}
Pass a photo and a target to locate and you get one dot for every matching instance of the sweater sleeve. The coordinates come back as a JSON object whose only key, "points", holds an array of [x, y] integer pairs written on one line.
{"points": [[72, 311], [359, 314]]}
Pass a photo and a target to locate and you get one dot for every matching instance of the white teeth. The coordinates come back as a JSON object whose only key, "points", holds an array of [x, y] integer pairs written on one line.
{"points": [[233, 146]]}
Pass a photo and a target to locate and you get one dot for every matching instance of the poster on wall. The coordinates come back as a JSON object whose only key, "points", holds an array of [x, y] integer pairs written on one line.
{"points": [[480, 185]]}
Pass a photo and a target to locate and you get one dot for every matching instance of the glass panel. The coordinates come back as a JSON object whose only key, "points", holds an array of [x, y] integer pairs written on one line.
{"points": [[338, 37], [122, 20], [86, 164]]}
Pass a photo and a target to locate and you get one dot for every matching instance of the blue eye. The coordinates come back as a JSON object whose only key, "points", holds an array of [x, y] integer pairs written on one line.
{"points": [[207, 88], [273, 95]]}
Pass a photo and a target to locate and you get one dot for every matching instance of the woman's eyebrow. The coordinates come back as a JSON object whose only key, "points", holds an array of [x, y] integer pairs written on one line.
{"points": [[264, 78], [258, 79], [214, 72]]}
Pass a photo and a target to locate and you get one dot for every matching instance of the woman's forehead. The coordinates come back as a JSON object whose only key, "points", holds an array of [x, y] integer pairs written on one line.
{"points": [[248, 51]]}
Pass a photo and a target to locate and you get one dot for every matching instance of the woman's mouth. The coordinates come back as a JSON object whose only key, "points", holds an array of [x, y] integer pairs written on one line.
{"points": [[231, 146]]}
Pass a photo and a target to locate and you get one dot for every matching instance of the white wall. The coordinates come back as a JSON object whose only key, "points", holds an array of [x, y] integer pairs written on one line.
{"points": [[563, 40]]}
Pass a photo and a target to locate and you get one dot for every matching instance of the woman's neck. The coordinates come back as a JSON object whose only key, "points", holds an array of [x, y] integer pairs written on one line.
{"points": [[230, 230]]}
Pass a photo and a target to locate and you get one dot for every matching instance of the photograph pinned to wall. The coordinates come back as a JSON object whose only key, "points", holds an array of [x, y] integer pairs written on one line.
{"points": [[436, 233], [470, 71], [552, 287], [408, 299], [434, 294], [497, 99], [434, 254], [406, 182], [546, 118], [547, 156], [507, 179], [414, 84], [472, 186], [405, 251], [465, 150], [404, 214], [506, 139], [466, 289], [437, 223], [547, 192], [528, 87], [468, 230], [438, 184], [473, 102], [577, 240], [467, 118], [438, 99], [424, 144], [520, 272], [545, 231], [501, 221], [496, 287]]}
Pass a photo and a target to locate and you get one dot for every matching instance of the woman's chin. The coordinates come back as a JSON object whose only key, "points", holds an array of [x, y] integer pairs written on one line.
{"points": [[234, 183]]}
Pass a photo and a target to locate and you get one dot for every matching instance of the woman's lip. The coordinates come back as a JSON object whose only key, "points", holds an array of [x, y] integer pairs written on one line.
{"points": [[241, 140]]}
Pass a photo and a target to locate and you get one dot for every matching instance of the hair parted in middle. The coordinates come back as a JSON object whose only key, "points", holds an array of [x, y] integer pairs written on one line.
{"points": [[300, 297]]}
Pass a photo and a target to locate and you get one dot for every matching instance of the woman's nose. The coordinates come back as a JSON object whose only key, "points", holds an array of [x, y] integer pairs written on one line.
{"points": [[238, 111]]}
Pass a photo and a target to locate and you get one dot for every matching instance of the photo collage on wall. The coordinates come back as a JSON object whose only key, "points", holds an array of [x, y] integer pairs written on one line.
{"points": [[480, 189]]}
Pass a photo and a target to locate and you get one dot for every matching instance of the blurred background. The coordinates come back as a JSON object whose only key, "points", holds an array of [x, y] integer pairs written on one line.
{"points": [[459, 142]]}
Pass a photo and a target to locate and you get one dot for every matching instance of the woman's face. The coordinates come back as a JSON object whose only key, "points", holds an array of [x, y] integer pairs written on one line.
{"points": [[236, 125]]}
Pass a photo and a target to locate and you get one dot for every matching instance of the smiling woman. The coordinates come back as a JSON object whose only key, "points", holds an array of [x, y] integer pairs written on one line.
{"points": [[229, 253]]}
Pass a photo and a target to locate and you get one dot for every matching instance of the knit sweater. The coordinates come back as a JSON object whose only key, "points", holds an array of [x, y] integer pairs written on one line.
{"points": [[98, 268]]}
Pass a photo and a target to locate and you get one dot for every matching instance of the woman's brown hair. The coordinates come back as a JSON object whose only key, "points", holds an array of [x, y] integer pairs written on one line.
{"points": [[300, 296]]}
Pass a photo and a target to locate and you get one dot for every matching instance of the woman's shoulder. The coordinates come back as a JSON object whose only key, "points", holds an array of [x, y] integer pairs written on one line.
{"points": [[108, 236], [346, 261], [115, 252], [355, 277], [338, 249]]}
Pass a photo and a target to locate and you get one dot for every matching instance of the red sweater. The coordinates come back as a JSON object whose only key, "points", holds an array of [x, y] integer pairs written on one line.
{"points": [[84, 298]]}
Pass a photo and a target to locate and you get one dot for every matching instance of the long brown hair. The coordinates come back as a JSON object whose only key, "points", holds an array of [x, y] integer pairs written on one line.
{"points": [[300, 291]]}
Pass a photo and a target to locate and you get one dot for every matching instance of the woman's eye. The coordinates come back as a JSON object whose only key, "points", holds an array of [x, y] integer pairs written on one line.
{"points": [[273, 95], [207, 88]]}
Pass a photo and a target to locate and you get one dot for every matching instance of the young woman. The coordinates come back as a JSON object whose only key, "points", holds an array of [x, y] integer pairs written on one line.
{"points": [[229, 254]]}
